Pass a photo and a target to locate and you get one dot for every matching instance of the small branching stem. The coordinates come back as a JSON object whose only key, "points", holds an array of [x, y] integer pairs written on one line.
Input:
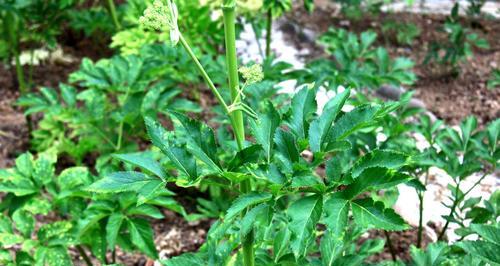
{"points": [[421, 195], [457, 201], [114, 16]]}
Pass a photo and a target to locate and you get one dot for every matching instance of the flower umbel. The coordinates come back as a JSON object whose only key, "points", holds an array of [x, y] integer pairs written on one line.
{"points": [[161, 17], [252, 74]]}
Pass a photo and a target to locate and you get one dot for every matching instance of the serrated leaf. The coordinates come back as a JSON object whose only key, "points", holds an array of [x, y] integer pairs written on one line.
{"points": [[336, 215], [486, 251], [113, 226], [141, 235], [245, 156], [142, 160], [487, 232], [178, 156], [145, 210], [123, 181], [246, 200], [433, 256], [202, 144], [303, 107], [320, 127], [185, 259], [286, 145], [24, 221], [304, 215], [380, 158], [370, 214], [265, 128], [352, 121], [374, 178]]}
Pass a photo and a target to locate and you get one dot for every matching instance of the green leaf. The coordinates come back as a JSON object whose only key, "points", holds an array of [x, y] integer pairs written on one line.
{"points": [[57, 233], [178, 156], [248, 155], [185, 259], [380, 158], [123, 181], [246, 200], [144, 161], [248, 221], [486, 251], [487, 232], [113, 226], [286, 145], [352, 121], [145, 210], [374, 178], [24, 164], [73, 178], [303, 107], [8, 240], [142, 236], [202, 144], [304, 215], [336, 215], [25, 222], [320, 127], [370, 214], [265, 128], [52, 256]]}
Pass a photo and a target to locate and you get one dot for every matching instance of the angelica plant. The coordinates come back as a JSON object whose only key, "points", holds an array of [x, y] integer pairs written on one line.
{"points": [[281, 197]]}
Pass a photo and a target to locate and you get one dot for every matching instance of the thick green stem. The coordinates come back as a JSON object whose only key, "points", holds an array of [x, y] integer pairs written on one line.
{"points": [[237, 116], [269, 32], [232, 70], [112, 12]]}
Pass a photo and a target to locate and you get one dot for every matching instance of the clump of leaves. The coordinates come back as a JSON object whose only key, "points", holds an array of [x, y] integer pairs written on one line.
{"points": [[97, 118], [405, 32], [458, 45], [357, 63]]}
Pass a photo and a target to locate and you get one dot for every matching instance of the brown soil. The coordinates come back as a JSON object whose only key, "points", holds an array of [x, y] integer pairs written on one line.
{"points": [[449, 97], [400, 241]]}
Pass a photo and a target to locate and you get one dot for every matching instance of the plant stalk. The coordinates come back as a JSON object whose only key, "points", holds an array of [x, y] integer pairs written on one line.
{"points": [[391, 247], [84, 255], [456, 202], [204, 74], [112, 12], [421, 195], [269, 32], [229, 14]]}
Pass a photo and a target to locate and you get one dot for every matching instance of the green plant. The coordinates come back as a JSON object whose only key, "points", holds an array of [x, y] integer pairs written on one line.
{"points": [[474, 8], [31, 189], [356, 63], [95, 118], [405, 32], [458, 46], [494, 81], [281, 197], [275, 8]]}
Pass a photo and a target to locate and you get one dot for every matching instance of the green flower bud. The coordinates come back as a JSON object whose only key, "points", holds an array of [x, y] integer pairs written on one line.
{"points": [[252, 74], [161, 17]]}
